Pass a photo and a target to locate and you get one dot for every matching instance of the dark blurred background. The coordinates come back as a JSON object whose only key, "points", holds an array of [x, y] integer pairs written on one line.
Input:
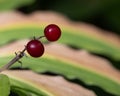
{"points": [[102, 13]]}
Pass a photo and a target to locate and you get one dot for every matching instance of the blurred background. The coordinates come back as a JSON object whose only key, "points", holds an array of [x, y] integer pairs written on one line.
{"points": [[105, 14], [102, 13]]}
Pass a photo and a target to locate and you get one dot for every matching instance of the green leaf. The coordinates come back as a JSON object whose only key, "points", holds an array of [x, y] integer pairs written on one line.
{"points": [[91, 44], [24, 88], [75, 38], [70, 37], [34, 84], [70, 71], [18, 91], [11, 4], [4, 85]]}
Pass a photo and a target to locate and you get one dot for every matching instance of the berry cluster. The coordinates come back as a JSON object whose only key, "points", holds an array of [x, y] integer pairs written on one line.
{"points": [[35, 48]]}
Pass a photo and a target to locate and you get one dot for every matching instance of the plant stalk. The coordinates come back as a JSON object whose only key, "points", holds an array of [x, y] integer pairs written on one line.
{"points": [[14, 60], [17, 57]]}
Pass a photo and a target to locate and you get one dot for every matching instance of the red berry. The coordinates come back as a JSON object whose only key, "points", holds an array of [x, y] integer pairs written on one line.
{"points": [[52, 32], [35, 48]]}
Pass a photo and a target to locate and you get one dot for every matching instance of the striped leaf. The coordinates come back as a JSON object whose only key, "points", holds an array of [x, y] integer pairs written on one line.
{"points": [[60, 59], [89, 69], [73, 34], [27, 83]]}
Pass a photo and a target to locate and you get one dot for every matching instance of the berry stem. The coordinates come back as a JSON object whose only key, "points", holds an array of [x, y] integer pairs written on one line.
{"points": [[52, 32], [40, 37], [14, 60]]}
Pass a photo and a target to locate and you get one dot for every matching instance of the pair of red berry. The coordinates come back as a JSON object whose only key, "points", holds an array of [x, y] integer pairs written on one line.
{"points": [[35, 48]]}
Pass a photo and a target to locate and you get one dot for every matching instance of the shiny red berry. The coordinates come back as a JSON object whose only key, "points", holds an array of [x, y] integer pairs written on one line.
{"points": [[35, 48], [52, 32]]}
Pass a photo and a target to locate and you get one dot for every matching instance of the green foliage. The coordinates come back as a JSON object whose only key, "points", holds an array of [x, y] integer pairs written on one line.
{"points": [[12, 4], [91, 44], [79, 40], [17, 91], [68, 70], [4, 85], [25, 88], [80, 10]]}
